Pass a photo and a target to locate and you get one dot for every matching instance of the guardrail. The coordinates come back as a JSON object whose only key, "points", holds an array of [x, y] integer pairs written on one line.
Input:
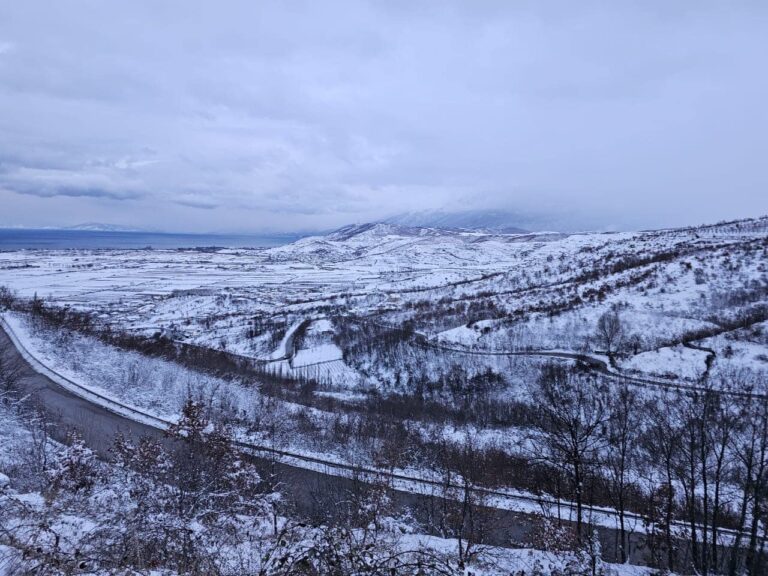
{"points": [[83, 392]]}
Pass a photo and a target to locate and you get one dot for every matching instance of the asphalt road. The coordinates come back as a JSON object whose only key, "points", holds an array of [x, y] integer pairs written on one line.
{"points": [[69, 412], [596, 365], [315, 495]]}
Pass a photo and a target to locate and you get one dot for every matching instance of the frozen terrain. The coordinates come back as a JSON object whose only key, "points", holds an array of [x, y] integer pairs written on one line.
{"points": [[484, 290], [410, 352]]}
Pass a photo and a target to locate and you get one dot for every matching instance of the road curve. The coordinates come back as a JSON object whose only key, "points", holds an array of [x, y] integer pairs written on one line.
{"points": [[595, 364], [306, 478], [601, 367], [68, 411]]}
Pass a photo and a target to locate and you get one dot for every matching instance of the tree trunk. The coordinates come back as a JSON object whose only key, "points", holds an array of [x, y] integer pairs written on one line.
{"points": [[577, 481], [736, 549], [704, 503], [716, 506], [668, 518], [691, 498], [752, 548], [623, 535]]}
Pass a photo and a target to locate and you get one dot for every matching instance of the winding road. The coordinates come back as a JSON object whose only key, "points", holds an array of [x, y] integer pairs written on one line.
{"points": [[313, 485], [593, 363]]}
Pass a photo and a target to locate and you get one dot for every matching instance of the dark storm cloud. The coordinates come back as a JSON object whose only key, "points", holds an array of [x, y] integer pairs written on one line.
{"points": [[245, 115]]}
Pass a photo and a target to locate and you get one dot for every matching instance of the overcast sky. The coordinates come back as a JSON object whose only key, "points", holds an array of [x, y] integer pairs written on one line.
{"points": [[257, 116]]}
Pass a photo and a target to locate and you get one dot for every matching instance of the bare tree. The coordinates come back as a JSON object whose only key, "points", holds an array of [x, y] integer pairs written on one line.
{"points": [[624, 428], [692, 476], [7, 297], [572, 426], [721, 427], [610, 330], [661, 445], [471, 520], [750, 447]]}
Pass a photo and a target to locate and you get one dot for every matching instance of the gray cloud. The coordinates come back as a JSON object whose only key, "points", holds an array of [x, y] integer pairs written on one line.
{"points": [[303, 114], [196, 201], [50, 182]]}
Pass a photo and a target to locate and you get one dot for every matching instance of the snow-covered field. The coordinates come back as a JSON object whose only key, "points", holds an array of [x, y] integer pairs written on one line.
{"points": [[290, 306], [382, 330], [670, 362], [484, 292], [666, 284]]}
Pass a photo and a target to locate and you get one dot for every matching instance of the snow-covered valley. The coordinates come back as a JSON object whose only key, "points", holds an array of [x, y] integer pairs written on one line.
{"points": [[414, 351]]}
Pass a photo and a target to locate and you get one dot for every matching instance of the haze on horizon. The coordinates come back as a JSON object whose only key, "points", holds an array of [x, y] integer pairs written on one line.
{"points": [[244, 116]]}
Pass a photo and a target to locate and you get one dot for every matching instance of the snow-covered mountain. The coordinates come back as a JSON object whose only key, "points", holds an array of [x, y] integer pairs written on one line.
{"points": [[101, 227], [405, 245], [480, 220]]}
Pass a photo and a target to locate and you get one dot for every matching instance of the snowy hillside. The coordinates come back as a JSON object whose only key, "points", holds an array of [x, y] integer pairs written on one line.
{"points": [[547, 289], [454, 360]]}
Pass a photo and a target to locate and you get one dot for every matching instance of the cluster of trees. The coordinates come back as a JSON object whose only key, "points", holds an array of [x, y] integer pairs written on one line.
{"points": [[693, 464], [421, 373], [273, 327]]}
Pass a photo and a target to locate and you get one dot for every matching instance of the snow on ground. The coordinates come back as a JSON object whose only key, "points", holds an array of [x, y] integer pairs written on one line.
{"points": [[333, 374], [739, 353], [282, 351], [208, 298], [461, 335], [317, 354], [523, 561], [320, 326], [675, 362], [159, 386], [320, 359]]}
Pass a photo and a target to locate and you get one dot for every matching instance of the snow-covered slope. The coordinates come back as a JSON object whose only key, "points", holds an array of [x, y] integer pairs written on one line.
{"points": [[541, 290]]}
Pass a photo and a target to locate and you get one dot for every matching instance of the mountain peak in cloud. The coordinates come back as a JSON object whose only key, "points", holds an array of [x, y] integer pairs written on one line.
{"points": [[101, 227], [499, 221]]}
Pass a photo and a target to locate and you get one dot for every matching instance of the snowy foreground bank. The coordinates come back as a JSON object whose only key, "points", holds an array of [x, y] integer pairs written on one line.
{"points": [[63, 512]]}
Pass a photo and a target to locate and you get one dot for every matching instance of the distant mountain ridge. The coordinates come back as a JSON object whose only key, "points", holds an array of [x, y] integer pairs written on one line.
{"points": [[496, 221], [101, 227], [379, 229]]}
